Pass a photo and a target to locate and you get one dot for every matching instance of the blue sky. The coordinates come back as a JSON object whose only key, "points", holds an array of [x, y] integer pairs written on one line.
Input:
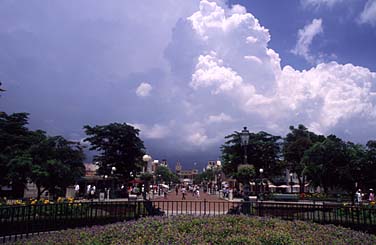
{"points": [[187, 73]]}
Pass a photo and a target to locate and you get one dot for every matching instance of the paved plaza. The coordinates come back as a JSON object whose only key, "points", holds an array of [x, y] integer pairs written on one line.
{"points": [[205, 204]]}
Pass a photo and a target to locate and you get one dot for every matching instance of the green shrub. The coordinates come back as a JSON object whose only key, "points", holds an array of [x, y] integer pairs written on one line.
{"points": [[206, 230]]}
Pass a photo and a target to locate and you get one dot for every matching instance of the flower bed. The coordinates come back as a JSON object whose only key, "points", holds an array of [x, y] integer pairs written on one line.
{"points": [[206, 230]]}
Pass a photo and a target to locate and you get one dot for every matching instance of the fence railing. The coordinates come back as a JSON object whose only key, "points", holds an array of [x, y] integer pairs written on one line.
{"points": [[19, 221]]}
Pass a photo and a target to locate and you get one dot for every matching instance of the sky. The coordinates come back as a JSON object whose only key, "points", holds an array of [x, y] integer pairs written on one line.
{"points": [[189, 72]]}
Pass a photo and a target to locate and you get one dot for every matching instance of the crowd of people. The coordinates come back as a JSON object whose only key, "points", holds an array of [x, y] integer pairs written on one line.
{"points": [[193, 189], [360, 197]]}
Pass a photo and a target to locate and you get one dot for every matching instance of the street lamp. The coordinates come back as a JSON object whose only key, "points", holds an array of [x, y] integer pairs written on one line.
{"points": [[244, 137], [262, 184], [159, 188], [291, 183], [244, 140], [147, 160]]}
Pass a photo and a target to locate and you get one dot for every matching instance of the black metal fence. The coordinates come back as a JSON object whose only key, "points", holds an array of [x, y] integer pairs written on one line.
{"points": [[19, 221]]}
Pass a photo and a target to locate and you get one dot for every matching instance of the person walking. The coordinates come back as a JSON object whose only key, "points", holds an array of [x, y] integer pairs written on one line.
{"points": [[371, 197], [76, 190], [183, 193], [358, 196], [176, 189]]}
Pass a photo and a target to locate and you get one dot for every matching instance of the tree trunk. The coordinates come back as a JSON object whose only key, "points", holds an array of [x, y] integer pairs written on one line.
{"points": [[300, 182], [302, 185], [39, 191]]}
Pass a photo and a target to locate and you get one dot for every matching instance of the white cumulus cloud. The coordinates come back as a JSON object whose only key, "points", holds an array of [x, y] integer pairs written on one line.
{"points": [[329, 96], [368, 14], [305, 38], [144, 89]]}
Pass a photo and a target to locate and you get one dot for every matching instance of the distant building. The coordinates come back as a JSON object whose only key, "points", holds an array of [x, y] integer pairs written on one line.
{"points": [[185, 173], [90, 169], [164, 163], [214, 164], [178, 168]]}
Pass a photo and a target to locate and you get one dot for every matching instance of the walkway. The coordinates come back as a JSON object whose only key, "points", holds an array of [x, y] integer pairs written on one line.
{"points": [[205, 204]]}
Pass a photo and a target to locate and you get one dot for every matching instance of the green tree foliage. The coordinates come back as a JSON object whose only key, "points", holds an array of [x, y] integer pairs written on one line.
{"points": [[334, 163], [207, 175], [15, 139], [118, 145], [369, 168], [325, 162], [164, 174], [25, 155], [56, 163], [295, 144], [263, 151], [245, 173]]}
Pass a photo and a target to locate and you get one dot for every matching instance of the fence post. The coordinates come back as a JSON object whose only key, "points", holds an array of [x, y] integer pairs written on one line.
{"points": [[205, 206]]}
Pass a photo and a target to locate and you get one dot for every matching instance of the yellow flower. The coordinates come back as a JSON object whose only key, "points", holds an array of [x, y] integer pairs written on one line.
{"points": [[372, 203], [46, 202]]}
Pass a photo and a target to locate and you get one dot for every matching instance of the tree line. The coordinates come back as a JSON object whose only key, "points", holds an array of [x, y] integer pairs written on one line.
{"points": [[325, 161]]}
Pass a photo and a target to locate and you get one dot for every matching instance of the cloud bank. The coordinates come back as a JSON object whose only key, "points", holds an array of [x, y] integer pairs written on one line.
{"points": [[209, 67]]}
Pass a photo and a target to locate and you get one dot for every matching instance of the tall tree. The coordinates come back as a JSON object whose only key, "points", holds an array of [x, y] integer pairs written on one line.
{"points": [[369, 169], [165, 174], [263, 151], [295, 144], [118, 145], [15, 139], [56, 163], [326, 162]]}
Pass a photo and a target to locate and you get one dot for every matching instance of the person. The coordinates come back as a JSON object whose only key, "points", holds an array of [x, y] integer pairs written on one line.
{"points": [[165, 193], [92, 192], [183, 193], [88, 188], [177, 189], [358, 196], [198, 193], [76, 190], [371, 197]]}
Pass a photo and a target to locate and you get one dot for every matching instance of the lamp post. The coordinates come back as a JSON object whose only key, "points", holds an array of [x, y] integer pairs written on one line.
{"points": [[159, 188], [244, 138], [262, 184], [113, 169], [147, 159], [291, 183]]}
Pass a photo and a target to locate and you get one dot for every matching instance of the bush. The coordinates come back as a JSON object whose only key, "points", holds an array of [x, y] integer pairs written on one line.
{"points": [[206, 230]]}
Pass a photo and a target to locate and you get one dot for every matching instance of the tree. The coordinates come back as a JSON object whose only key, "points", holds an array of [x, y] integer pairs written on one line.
{"points": [[118, 145], [263, 151], [295, 144], [245, 173], [15, 139], [325, 162], [164, 174], [207, 175], [369, 169], [56, 163]]}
